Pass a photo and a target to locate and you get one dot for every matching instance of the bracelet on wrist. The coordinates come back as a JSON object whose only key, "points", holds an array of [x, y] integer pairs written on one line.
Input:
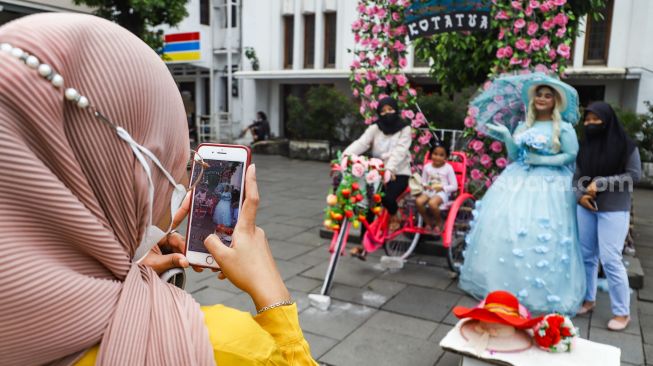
{"points": [[275, 305]]}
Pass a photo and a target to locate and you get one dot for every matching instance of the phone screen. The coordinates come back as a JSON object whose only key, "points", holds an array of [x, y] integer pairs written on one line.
{"points": [[216, 203]]}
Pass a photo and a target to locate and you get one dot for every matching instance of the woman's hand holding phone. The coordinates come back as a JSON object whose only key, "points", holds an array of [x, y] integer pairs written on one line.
{"points": [[173, 244], [248, 263]]}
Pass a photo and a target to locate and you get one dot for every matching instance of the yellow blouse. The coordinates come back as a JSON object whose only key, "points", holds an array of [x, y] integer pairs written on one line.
{"points": [[270, 338]]}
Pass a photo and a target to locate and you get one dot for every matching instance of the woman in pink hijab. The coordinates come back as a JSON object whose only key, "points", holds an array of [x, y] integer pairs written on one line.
{"points": [[93, 146]]}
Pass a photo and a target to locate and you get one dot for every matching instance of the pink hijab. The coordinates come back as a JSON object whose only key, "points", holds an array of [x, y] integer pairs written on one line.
{"points": [[74, 200]]}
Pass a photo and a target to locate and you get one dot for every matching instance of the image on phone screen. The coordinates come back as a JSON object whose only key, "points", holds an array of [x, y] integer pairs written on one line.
{"points": [[216, 203]]}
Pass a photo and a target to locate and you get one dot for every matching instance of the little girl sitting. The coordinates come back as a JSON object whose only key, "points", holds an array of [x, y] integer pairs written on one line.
{"points": [[439, 180]]}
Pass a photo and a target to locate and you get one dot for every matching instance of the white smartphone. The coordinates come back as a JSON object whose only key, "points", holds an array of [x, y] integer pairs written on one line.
{"points": [[216, 200]]}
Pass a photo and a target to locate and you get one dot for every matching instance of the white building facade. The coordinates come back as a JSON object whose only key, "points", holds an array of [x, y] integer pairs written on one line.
{"points": [[293, 40], [14, 9]]}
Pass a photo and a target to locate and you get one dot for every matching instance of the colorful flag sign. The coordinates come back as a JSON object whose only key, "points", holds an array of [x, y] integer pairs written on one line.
{"points": [[428, 17], [179, 47]]}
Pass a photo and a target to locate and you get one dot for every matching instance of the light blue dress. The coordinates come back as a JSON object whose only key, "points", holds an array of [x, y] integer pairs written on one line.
{"points": [[222, 213], [524, 233]]}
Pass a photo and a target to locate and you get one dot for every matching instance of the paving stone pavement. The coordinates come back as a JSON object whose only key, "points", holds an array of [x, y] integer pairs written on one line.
{"points": [[383, 317]]}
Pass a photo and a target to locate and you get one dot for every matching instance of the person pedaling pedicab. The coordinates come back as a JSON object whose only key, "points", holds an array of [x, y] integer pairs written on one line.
{"points": [[389, 140]]}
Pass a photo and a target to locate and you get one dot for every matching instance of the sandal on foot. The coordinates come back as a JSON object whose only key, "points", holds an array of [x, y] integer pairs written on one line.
{"points": [[358, 252], [618, 325], [585, 309]]}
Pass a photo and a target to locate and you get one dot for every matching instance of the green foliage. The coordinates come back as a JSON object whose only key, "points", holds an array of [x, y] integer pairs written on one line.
{"points": [[320, 115], [140, 16], [444, 111], [640, 129], [462, 59], [250, 53]]}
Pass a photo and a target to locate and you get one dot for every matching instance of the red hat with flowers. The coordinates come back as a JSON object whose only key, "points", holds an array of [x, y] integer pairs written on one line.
{"points": [[500, 307]]}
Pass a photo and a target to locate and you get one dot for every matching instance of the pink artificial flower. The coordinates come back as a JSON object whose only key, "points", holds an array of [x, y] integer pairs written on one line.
{"points": [[403, 62], [401, 80], [387, 61], [361, 8], [528, 11], [374, 104], [416, 149], [356, 64], [368, 90], [361, 109], [396, 16], [532, 28], [412, 91], [376, 163], [502, 15], [358, 77], [469, 122], [488, 183], [382, 95], [545, 7], [559, 2], [356, 25], [519, 24], [564, 51], [370, 11], [508, 51], [501, 162], [398, 46], [373, 177], [374, 43], [486, 160], [548, 24], [521, 44], [416, 123], [501, 53], [544, 41], [552, 54], [477, 145], [357, 38], [534, 4], [355, 93], [381, 13], [561, 19], [376, 29], [515, 61], [554, 67], [389, 78], [516, 5], [502, 33], [369, 120], [541, 68], [535, 44], [381, 83], [476, 174], [496, 146], [526, 63], [561, 32], [425, 138], [407, 114], [358, 170]]}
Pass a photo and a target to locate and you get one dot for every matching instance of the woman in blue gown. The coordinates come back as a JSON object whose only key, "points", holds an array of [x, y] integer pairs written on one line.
{"points": [[524, 235], [222, 212]]}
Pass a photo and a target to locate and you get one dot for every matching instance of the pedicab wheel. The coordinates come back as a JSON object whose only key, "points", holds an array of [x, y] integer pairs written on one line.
{"points": [[460, 229], [404, 244]]}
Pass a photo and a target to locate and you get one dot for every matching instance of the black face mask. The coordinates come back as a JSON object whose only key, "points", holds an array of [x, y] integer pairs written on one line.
{"points": [[389, 118], [595, 129]]}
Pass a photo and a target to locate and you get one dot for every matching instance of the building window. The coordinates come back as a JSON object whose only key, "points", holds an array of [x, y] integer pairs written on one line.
{"points": [[330, 40], [205, 10], [234, 14], [597, 39], [309, 41], [288, 27]]}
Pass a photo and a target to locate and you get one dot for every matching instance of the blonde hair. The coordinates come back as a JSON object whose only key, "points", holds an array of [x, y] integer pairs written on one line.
{"points": [[555, 116]]}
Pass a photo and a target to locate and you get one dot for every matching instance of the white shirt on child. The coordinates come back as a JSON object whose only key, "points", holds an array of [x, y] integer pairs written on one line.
{"points": [[443, 175]]}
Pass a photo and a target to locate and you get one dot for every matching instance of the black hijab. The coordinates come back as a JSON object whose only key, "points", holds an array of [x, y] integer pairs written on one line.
{"points": [[390, 123], [605, 150]]}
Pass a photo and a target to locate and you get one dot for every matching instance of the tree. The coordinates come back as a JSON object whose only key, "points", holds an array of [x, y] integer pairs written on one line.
{"points": [[460, 60], [140, 16]]}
